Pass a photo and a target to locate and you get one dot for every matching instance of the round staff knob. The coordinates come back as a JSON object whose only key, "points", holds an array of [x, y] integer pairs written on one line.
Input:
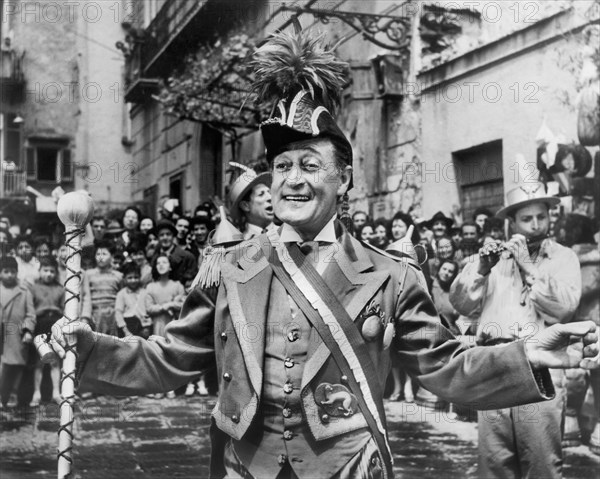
{"points": [[44, 349], [75, 209]]}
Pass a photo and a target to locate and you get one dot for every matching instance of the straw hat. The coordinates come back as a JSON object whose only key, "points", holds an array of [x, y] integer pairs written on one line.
{"points": [[525, 195], [244, 184]]}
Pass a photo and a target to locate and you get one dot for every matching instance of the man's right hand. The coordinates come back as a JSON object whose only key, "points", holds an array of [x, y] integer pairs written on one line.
{"points": [[77, 333], [488, 257]]}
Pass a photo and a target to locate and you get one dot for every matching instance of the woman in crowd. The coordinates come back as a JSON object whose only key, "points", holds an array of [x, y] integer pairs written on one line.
{"points": [[445, 249], [164, 299], [381, 234], [440, 292], [147, 224], [365, 232]]}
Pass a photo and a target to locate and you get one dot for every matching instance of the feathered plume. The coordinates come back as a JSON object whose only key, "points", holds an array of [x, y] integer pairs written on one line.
{"points": [[289, 63]]}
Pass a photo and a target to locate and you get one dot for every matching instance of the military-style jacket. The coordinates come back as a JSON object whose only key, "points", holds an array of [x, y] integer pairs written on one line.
{"points": [[227, 324]]}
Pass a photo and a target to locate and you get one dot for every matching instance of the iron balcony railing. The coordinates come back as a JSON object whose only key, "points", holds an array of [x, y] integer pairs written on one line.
{"points": [[14, 183]]}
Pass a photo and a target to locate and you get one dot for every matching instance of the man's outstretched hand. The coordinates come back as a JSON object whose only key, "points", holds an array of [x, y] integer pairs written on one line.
{"points": [[573, 345], [78, 333]]}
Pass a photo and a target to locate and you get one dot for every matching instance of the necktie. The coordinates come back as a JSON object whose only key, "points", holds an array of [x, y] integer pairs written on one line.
{"points": [[310, 249]]}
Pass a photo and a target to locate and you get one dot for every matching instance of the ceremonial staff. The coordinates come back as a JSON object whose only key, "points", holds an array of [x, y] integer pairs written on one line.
{"points": [[74, 210]]}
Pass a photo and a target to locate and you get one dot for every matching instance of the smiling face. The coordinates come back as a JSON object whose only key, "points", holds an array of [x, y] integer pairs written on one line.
{"points": [[306, 185], [399, 229], [439, 228], [366, 234], [258, 209], [163, 266], [445, 249]]}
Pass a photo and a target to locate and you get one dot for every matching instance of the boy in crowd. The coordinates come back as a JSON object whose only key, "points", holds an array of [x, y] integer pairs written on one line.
{"points": [[183, 262], [27, 262], [130, 312], [48, 300], [18, 325], [104, 283]]}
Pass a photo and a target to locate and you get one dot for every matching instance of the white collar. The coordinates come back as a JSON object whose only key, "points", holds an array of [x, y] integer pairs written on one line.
{"points": [[252, 230], [326, 235]]}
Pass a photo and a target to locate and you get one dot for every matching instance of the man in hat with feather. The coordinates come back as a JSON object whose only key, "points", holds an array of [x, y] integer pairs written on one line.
{"points": [[518, 289], [302, 318]]}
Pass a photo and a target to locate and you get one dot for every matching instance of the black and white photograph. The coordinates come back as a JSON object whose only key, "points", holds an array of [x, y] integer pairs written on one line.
{"points": [[302, 239]]}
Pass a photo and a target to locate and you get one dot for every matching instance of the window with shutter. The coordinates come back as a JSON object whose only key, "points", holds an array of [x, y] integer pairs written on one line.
{"points": [[479, 176], [31, 163]]}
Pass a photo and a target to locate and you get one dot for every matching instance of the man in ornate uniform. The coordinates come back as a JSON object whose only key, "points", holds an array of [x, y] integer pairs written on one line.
{"points": [[303, 316]]}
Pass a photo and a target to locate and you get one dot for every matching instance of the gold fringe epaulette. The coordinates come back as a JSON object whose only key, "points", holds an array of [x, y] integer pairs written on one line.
{"points": [[209, 273]]}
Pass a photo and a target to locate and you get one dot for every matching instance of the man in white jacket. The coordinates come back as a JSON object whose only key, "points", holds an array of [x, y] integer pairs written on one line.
{"points": [[519, 289]]}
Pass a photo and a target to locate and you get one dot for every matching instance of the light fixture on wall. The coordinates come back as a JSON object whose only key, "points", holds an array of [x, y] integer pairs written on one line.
{"points": [[18, 119]]}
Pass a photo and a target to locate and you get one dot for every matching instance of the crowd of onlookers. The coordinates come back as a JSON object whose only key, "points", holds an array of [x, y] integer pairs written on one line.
{"points": [[137, 271]]}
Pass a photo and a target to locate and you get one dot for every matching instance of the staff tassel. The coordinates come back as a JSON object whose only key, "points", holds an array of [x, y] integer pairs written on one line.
{"points": [[74, 210]]}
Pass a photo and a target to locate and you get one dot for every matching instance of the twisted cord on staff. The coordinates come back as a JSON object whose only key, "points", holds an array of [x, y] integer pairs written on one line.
{"points": [[75, 210], [71, 294]]}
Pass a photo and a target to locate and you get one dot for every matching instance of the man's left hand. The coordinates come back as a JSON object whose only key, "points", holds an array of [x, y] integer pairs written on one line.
{"points": [[572, 345], [517, 245]]}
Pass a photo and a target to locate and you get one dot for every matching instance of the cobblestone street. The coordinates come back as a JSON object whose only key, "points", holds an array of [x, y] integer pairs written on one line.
{"points": [[150, 438]]}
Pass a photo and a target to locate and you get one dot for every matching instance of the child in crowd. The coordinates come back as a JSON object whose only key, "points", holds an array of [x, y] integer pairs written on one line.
{"points": [[29, 266], [137, 254], [130, 311], [164, 298], [18, 326], [104, 284], [48, 301]]}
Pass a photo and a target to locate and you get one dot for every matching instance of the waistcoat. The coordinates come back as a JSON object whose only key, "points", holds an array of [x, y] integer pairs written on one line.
{"points": [[280, 433]]}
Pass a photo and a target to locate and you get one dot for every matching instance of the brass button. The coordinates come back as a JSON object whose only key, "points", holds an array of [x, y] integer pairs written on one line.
{"points": [[224, 336], [287, 435], [325, 418], [281, 459], [287, 412], [227, 377], [235, 418], [344, 379], [288, 363], [293, 335], [288, 388]]}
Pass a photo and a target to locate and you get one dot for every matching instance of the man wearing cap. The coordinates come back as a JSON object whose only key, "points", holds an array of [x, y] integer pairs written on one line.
{"points": [[533, 283], [304, 316], [183, 262], [250, 199]]}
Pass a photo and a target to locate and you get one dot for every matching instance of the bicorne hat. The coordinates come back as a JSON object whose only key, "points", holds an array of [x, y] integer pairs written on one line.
{"points": [[303, 79]]}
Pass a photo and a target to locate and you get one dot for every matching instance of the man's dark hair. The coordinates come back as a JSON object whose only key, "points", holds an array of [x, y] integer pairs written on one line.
{"points": [[491, 223], [360, 212], [135, 209], [130, 268], [202, 220], [99, 218], [105, 244], [470, 223], [48, 262], [482, 211], [24, 239]]}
